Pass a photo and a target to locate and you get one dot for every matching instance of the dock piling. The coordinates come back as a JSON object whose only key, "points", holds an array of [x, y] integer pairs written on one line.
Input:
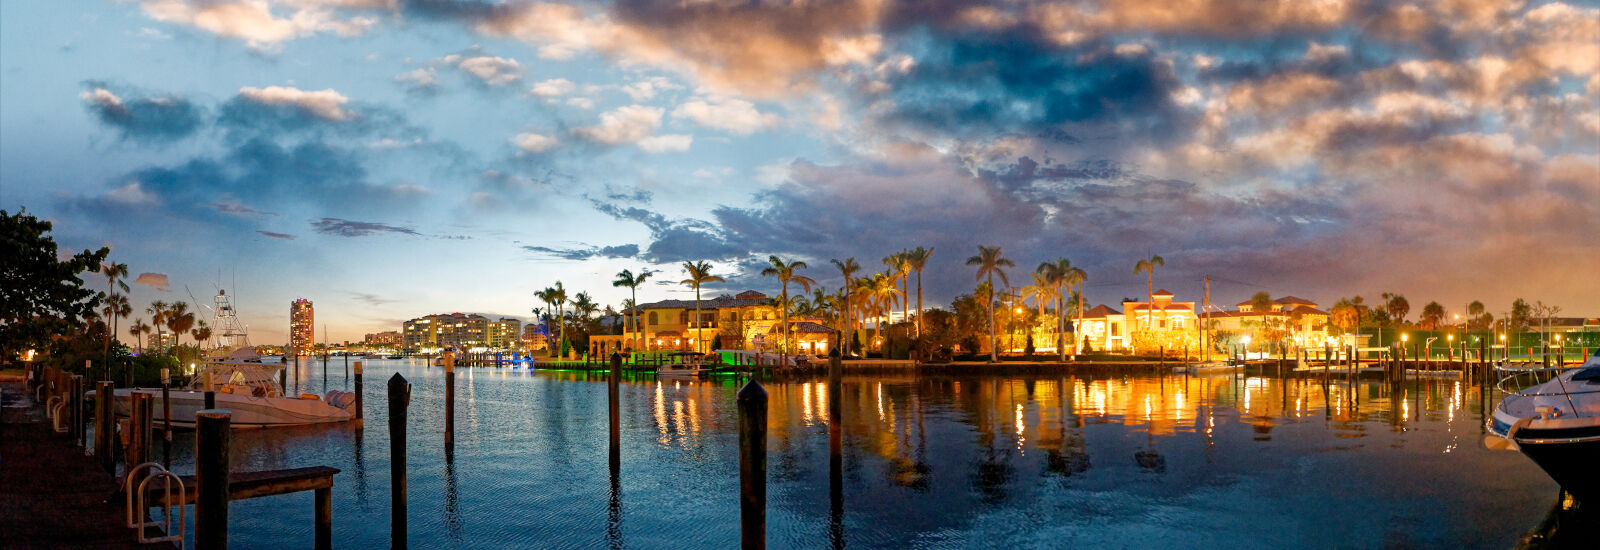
{"points": [[166, 419], [616, 417], [399, 400], [103, 420], [360, 409], [753, 466], [449, 406], [138, 450], [213, 437]]}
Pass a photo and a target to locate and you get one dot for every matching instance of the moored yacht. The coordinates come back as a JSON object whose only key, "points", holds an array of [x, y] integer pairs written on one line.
{"points": [[247, 388], [1553, 417]]}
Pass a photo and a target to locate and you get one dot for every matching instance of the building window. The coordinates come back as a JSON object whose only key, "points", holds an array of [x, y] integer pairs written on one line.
{"points": [[652, 320], [1116, 329], [1177, 323], [1161, 324]]}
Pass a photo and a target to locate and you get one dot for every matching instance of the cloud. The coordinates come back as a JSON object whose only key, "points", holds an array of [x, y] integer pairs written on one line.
{"points": [[237, 208], [626, 124], [347, 228], [157, 281], [284, 236], [371, 299], [676, 240], [671, 143], [133, 194], [139, 118], [419, 81], [327, 104], [253, 20], [534, 143], [579, 254], [493, 71], [734, 115], [553, 87]]}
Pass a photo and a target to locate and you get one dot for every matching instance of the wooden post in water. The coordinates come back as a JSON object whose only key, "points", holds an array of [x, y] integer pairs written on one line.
{"points": [[360, 408], [76, 415], [166, 419], [324, 511], [752, 466], [449, 406], [835, 450], [347, 368], [399, 400], [103, 420], [616, 417], [211, 455], [139, 409]]}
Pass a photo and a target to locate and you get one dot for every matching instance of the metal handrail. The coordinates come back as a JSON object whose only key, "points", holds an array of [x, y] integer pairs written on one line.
{"points": [[53, 410], [166, 511], [1534, 373], [136, 505]]}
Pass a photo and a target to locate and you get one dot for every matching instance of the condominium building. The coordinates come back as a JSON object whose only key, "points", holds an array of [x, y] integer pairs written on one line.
{"points": [[302, 327], [505, 334], [390, 338], [462, 331]]}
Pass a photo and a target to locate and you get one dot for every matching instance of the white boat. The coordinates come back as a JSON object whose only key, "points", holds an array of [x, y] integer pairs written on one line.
{"points": [[1553, 417], [249, 390]]}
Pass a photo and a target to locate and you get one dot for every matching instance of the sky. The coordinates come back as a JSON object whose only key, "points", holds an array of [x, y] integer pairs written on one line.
{"points": [[388, 159]]}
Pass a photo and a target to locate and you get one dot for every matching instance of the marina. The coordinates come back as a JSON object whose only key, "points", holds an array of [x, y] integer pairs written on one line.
{"points": [[925, 461]]}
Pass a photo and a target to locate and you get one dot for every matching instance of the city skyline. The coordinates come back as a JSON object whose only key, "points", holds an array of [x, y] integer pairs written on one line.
{"points": [[394, 159]]}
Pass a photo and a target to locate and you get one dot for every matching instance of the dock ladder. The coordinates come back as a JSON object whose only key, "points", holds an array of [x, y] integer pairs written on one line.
{"points": [[137, 507]]}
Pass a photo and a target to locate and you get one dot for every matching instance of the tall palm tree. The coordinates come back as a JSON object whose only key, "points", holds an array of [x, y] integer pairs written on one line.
{"points": [[1054, 274], [1149, 266], [558, 296], [628, 279], [115, 273], [917, 258], [989, 261], [699, 274], [900, 271], [785, 272], [879, 293], [158, 317], [848, 269], [138, 329], [1075, 276]]}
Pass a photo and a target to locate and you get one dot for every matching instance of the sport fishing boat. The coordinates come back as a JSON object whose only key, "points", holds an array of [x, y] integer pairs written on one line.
{"points": [[246, 387], [1553, 417]]}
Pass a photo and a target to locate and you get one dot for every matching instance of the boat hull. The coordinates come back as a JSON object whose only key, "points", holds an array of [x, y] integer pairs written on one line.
{"points": [[247, 411], [1569, 455]]}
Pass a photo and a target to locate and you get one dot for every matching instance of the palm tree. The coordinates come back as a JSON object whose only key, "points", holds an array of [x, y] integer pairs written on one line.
{"points": [[558, 296], [1475, 314], [699, 274], [158, 316], [628, 279], [917, 258], [879, 295], [138, 329], [201, 333], [1075, 276], [115, 273], [989, 262], [1397, 307], [1055, 275], [1149, 266], [785, 272], [1432, 315], [848, 269], [179, 319], [900, 271]]}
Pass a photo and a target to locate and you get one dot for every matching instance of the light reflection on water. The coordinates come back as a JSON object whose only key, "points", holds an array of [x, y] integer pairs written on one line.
{"points": [[1036, 461]]}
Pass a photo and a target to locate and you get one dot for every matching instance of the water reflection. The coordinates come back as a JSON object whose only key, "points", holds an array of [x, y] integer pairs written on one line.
{"points": [[912, 461]]}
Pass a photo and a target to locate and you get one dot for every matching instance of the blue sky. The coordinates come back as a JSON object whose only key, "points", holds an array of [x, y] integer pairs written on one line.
{"points": [[389, 159]]}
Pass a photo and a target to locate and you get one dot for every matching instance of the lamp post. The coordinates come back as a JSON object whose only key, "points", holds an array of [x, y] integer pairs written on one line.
{"points": [[1246, 341]]}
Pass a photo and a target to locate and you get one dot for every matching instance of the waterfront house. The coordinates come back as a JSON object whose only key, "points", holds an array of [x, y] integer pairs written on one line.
{"points": [[747, 320]]}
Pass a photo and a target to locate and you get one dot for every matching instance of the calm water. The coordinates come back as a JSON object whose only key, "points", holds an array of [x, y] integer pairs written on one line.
{"points": [[928, 462]]}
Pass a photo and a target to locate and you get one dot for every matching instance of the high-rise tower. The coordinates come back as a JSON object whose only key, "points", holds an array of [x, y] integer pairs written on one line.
{"points": [[302, 337]]}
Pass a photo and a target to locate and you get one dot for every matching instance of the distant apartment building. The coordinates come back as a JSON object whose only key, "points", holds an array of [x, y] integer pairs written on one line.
{"points": [[533, 338], [302, 326], [748, 320], [505, 334], [161, 340], [391, 339], [462, 331]]}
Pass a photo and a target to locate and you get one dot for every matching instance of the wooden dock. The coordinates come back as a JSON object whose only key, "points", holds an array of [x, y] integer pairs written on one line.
{"points": [[51, 494]]}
